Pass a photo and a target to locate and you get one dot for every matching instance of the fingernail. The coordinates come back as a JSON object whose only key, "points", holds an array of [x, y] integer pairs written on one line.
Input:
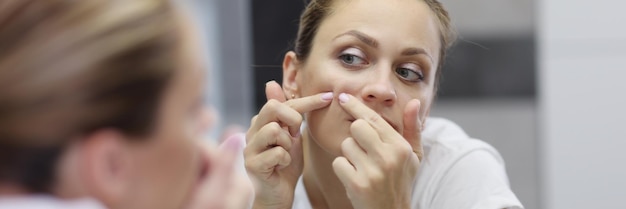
{"points": [[269, 82], [343, 98], [327, 96]]}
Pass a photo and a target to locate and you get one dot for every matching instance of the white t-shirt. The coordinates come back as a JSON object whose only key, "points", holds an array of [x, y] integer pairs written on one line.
{"points": [[47, 202], [456, 172]]}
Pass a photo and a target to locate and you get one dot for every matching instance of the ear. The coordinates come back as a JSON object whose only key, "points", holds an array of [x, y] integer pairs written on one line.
{"points": [[106, 166], [291, 67]]}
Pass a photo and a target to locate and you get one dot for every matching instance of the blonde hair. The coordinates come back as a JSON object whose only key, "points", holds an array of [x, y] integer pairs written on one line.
{"points": [[69, 67]]}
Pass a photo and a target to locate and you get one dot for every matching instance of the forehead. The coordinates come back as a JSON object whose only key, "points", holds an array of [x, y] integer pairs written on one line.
{"points": [[398, 23]]}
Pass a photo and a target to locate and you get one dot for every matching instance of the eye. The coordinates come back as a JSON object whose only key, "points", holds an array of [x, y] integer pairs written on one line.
{"points": [[353, 57], [409, 73]]}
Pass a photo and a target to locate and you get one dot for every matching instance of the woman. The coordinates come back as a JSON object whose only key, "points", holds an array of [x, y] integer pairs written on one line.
{"points": [[364, 74], [100, 106]]}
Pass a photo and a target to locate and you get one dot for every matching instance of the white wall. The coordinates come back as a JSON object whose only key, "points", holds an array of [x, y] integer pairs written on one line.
{"points": [[582, 74]]}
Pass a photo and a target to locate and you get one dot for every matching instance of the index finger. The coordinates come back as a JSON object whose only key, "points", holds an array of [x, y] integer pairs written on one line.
{"points": [[358, 110], [310, 103], [289, 113]]}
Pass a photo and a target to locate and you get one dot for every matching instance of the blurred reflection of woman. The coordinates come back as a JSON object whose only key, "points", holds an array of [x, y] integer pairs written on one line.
{"points": [[99, 107], [363, 75]]}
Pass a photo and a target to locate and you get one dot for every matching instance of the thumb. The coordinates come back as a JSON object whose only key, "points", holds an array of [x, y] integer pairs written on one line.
{"points": [[412, 130], [209, 191], [225, 162], [231, 149], [274, 91]]}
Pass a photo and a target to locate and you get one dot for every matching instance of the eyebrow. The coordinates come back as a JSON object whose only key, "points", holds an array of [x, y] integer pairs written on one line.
{"points": [[373, 43], [361, 36], [416, 51]]}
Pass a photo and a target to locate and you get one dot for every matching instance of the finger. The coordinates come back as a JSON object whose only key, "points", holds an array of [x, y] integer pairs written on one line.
{"points": [[358, 110], [310, 103], [307, 104], [290, 112], [269, 136], [412, 130], [365, 135], [219, 166], [229, 151], [275, 111], [344, 170], [354, 153], [252, 130], [265, 162], [274, 91]]}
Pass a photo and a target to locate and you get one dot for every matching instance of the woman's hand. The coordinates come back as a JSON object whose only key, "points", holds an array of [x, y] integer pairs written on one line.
{"points": [[379, 166], [222, 186], [273, 156]]}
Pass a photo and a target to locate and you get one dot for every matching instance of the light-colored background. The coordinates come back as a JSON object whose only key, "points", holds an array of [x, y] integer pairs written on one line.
{"points": [[563, 148]]}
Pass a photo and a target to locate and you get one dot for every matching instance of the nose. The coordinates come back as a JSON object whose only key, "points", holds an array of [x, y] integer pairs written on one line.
{"points": [[379, 90]]}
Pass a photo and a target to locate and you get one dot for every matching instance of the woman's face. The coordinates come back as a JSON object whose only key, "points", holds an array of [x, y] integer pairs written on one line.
{"points": [[383, 52], [168, 164]]}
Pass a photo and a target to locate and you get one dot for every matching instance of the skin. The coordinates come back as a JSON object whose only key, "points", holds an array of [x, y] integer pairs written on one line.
{"points": [[362, 148], [167, 169], [173, 169]]}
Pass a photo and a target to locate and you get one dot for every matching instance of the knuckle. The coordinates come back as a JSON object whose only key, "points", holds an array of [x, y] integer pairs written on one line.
{"points": [[272, 105], [249, 138], [283, 155], [388, 165], [373, 118], [253, 120], [389, 162], [404, 152], [357, 125], [345, 144], [249, 165], [361, 187], [335, 163], [376, 177], [299, 119], [291, 104], [274, 129]]}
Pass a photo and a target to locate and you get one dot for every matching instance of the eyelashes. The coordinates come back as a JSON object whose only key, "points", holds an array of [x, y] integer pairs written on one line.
{"points": [[354, 58]]}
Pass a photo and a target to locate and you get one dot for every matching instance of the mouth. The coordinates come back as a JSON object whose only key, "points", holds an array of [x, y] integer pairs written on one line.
{"points": [[390, 122]]}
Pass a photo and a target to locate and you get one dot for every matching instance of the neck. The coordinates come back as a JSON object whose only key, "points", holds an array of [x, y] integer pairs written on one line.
{"points": [[322, 185]]}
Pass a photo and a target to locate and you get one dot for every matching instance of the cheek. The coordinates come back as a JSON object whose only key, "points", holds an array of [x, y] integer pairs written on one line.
{"points": [[182, 150], [172, 163], [329, 78]]}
